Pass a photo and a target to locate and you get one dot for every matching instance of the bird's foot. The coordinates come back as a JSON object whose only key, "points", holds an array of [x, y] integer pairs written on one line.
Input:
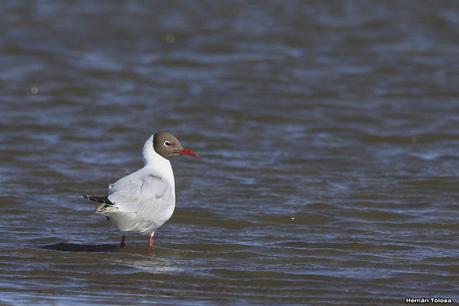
{"points": [[123, 242], [150, 244]]}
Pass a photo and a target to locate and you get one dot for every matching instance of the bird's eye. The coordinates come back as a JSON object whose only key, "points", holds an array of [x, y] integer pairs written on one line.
{"points": [[167, 143]]}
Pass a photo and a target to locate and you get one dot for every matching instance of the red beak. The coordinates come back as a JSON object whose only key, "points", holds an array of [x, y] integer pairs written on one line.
{"points": [[188, 152]]}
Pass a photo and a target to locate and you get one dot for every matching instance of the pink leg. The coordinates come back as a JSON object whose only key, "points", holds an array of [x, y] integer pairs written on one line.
{"points": [[150, 242], [123, 242]]}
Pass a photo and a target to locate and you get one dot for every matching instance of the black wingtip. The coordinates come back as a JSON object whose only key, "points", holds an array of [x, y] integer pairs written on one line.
{"points": [[98, 199]]}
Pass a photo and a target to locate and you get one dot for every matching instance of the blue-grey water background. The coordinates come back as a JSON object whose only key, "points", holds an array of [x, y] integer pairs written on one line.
{"points": [[329, 141]]}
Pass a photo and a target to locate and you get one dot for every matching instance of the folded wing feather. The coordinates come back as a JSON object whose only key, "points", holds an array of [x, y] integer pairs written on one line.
{"points": [[141, 193]]}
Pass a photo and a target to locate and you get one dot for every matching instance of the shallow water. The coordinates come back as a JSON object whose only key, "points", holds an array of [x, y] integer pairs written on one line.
{"points": [[327, 133]]}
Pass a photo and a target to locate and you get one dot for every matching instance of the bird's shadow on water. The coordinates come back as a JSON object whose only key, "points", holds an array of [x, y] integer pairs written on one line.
{"points": [[143, 263], [75, 247]]}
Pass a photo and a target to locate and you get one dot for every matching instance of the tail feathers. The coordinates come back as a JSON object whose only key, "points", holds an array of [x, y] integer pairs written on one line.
{"points": [[105, 204]]}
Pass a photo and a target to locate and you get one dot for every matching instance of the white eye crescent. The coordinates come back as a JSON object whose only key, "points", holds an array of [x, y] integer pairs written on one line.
{"points": [[167, 143]]}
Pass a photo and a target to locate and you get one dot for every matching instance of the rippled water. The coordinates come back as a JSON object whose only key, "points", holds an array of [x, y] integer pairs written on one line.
{"points": [[328, 139]]}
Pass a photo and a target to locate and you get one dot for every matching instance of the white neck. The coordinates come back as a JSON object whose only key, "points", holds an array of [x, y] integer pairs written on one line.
{"points": [[156, 162]]}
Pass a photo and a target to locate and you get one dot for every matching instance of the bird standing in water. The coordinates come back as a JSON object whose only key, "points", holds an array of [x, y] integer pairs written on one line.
{"points": [[144, 200]]}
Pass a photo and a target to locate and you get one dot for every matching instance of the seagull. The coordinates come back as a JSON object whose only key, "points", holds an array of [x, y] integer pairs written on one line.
{"points": [[144, 200]]}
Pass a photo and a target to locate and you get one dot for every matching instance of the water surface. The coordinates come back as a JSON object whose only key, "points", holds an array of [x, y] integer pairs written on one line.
{"points": [[328, 139]]}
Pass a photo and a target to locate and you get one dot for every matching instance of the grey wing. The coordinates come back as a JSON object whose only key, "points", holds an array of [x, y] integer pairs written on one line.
{"points": [[140, 193]]}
